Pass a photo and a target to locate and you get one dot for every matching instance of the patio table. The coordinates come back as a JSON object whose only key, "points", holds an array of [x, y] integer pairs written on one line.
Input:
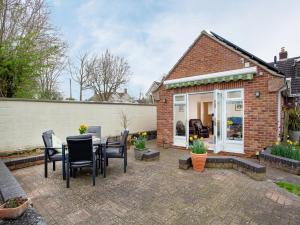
{"points": [[99, 142]]}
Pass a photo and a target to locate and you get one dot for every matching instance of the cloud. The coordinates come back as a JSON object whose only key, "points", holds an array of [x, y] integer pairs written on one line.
{"points": [[152, 35]]}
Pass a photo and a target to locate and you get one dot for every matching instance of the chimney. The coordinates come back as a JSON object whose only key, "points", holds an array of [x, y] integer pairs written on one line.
{"points": [[125, 90], [283, 54], [275, 61]]}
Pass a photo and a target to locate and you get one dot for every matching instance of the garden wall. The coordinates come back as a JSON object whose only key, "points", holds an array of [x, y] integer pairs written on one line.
{"points": [[23, 121]]}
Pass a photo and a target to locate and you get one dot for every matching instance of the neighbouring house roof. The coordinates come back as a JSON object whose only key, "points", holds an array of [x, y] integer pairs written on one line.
{"points": [[230, 75], [152, 88], [123, 97], [290, 67]]}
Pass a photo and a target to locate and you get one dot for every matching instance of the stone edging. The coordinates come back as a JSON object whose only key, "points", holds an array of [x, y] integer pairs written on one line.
{"points": [[286, 164], [252, 169], [19, 163], [10, 188]]}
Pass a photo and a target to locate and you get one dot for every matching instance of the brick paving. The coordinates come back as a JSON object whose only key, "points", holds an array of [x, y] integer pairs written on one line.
{"points": [[158, 193]]}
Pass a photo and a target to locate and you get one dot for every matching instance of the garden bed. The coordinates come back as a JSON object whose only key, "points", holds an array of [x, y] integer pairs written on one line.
{"points": [[286, 164]]}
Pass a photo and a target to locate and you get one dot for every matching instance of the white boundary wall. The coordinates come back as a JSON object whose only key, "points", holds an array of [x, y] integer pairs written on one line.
{"points": [[22, 122]]}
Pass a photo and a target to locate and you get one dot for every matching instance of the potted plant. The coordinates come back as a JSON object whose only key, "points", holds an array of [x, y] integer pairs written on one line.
{"points": [[13, 208], [198, 154], [82, 128], [294, 124], [140, 146]]}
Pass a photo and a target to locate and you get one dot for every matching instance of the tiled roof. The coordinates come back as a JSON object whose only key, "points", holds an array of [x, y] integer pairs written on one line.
{"points": [[244, 52], [291, 69]]}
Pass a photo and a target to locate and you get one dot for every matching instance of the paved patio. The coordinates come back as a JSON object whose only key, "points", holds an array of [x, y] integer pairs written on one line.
{"points": [[158, 193]]}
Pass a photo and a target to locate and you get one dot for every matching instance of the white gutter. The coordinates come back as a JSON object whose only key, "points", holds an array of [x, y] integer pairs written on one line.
{"points": [[214, 75]]}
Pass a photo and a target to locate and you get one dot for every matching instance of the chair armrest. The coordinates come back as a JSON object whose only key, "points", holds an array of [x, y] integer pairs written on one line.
{"points": [[115, 145], [113, 142]]}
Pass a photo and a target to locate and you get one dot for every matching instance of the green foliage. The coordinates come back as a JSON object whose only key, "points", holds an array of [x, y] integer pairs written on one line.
{"points": [[294, 119], [20, 65], [198, 147], [82, 128], [288, 150], [293, 188], [140, 141], [14, 202]]}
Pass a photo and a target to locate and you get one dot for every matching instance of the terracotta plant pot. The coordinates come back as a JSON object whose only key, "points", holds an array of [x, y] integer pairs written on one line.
{"points": [[198, 161], [138, 154], [13, 213]]}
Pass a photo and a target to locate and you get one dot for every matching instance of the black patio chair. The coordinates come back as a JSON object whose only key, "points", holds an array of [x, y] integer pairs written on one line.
{"points": [[51, 155], [115, 150], [81, 154], [95, 131]]}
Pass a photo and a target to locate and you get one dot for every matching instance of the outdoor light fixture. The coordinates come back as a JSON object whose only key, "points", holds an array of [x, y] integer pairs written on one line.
{"points": [[257, 94], [165, 100]]}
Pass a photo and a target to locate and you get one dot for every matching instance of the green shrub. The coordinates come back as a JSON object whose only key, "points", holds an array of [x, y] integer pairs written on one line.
{"points": [[287, 150], [14, 202], [140, 141], [198, 147], [294, 119]]}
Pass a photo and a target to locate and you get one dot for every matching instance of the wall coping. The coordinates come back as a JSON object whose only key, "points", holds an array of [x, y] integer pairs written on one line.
{"points": [[267, 152], [70, 102]]}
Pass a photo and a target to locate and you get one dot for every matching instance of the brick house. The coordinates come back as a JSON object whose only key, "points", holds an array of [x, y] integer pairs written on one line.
{"points": [[230, 93], [290, 67]]}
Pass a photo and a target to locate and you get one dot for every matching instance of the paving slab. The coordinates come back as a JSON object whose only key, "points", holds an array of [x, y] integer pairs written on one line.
{"points": [[158, 192]]}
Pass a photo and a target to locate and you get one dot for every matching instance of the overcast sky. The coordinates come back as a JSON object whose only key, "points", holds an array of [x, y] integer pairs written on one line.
{"points": [[152, 35]]}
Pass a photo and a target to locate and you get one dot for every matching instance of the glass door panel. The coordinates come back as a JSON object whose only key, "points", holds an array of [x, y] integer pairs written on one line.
{"points": [[179, 119], [234, 118], [179, 122], [218, 121]]}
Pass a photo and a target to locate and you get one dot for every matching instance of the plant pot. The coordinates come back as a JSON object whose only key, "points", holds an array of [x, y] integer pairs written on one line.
{"points": [[294, 135], [13, 213], [138, 154], [198, 161]]}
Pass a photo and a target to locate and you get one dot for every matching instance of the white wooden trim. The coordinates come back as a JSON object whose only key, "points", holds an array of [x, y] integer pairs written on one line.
{"points": [[214, 75], [179, 140], [226, 141]]}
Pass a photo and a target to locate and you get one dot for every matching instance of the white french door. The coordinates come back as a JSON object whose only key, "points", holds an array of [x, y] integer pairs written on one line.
{"points": [[229, 120], [218, 120], [180, 120], [228, 108]]}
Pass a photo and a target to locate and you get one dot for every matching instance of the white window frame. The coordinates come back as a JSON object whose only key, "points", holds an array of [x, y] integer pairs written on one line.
{"points": [[227, 99], [178, 139]]}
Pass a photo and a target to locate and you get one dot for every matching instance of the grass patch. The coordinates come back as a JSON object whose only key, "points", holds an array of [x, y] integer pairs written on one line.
{"points": [[293, 188]]}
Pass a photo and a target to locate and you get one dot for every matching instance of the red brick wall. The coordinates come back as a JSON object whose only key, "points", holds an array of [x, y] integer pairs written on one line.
{"points": [[209, 56]]}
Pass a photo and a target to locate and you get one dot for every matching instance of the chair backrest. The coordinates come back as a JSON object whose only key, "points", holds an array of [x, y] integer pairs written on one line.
{"points": [[95, 131], [180, 128], [80, 148], [196, 123], [123, 140], [47, 139]]}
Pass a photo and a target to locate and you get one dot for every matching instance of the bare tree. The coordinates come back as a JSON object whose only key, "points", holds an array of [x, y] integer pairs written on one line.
{"points": [[109, 74], [81, 71]]}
